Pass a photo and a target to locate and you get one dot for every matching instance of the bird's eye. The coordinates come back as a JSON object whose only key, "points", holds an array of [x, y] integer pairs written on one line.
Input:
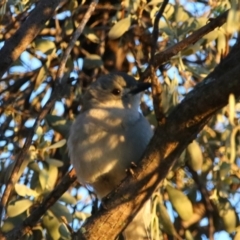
{"points": [[116, 92]]}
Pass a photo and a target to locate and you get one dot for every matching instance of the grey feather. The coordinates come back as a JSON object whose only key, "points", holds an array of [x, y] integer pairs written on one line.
{"points": [[107, 136]]}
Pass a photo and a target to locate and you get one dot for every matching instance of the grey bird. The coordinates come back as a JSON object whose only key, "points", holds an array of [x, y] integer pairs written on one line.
{"points": [[107, 136]]}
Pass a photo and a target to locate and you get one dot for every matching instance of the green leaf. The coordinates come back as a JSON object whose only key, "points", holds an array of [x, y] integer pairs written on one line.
{"points": [[44, 45], [180, 202], [91, 35], [42, 74], [188, 235], [59, 210], [120, 28], [24, 191], [181, 15], [211, 36], [192, 48], [52, 224], [165, 220], [81, 215], [92, 61], [221, 42], [68, 26], [52, 176], [224, 170], [169, 11], [65, 234], [58, 144], [233, 19], [12, 222], [8, 171], [230, 219], [17, 207], [195, 157], [68, 198], [54, 162], [34, 166], [59, 124], [43, 178]]}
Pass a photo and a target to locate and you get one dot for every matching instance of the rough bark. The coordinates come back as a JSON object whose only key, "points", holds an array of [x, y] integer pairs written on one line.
{"points": [[15, 45]]}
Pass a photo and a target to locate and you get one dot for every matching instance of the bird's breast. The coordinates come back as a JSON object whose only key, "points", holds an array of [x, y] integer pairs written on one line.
{"points": [[101, 147]]}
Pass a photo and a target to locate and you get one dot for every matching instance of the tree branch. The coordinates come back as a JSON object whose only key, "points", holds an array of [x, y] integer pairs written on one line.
{"points": [[156, 85], [15, 45], [169, 140]]}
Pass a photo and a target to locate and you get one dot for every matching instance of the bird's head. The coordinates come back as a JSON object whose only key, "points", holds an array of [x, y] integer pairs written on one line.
{"points": [[115, 90]]}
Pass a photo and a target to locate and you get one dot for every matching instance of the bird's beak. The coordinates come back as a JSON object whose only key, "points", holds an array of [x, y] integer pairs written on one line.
{"points": [[141, 86]]}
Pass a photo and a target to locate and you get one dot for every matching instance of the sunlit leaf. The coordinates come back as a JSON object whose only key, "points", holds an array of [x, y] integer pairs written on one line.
{"points": [[180, 202], [120, 28], [68, 198], [81, 215], [195, 156], [24, 191], [165, 220], [188, 235], [92, 61], [52, 224], [224, 170], [15, 208], [42, 74], [12, 222], [54, 162], [231, 103], [59, 210], [230, 219], [44, 45], [221, 42], [65, 234], [68, 26], [181, 15], [91, 35], [43, 178], [233, 19], [52, 176], [57, 144]]}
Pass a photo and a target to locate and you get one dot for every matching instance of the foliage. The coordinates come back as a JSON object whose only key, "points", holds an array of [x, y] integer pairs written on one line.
{"points": [[117, 37]]}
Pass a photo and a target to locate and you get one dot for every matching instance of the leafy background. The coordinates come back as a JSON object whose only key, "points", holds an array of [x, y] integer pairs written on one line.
{"points": [[200, 191]]}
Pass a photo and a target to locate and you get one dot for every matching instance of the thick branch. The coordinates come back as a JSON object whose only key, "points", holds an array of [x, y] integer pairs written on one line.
{"points": [[170, 139], [15, 45]]}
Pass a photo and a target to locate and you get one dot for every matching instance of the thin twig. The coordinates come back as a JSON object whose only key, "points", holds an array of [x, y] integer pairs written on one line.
{"points": [[156, 85], [156, 95], [155, 32], [75, 37], [211, 210], [56, 94]]}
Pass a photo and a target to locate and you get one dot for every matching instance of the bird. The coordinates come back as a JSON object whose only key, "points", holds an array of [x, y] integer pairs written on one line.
{"points": [[108, 135]]}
